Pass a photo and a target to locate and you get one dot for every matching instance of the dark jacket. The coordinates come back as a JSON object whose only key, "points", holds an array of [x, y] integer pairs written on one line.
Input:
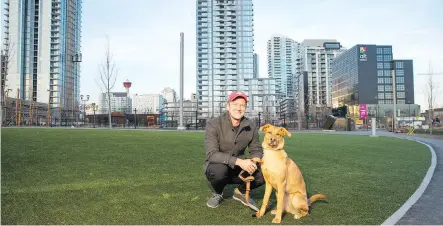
{"points": [[224, 145]]}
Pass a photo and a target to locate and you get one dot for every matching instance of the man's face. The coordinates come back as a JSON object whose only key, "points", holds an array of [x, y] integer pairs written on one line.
{"points": [[237, 108]]}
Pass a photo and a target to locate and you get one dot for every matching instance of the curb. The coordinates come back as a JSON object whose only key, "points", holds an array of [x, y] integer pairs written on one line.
{"points": [[394, 218]]}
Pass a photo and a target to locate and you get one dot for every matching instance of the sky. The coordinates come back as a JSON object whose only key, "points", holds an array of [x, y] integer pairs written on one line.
{"points": [[145, 37]]}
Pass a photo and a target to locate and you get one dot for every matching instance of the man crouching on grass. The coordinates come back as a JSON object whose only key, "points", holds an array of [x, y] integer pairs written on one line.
{"points": [[226, 138]]}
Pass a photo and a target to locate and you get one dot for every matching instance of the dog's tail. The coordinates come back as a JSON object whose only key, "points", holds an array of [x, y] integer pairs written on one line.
{"points": [[316, 197]]}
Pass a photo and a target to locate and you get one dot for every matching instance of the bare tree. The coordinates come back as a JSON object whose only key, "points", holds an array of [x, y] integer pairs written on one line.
{"points": [[431, 92], [108, 76]]}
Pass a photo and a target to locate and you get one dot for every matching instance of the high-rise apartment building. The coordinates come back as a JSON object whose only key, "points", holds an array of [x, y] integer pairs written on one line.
{"points": [[313, 81], [44, 40], [282, 58], [225, 52]]}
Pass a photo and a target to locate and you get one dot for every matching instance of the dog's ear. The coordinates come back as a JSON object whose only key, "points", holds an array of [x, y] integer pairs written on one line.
{"points": [[285, 132], [265, 127]]}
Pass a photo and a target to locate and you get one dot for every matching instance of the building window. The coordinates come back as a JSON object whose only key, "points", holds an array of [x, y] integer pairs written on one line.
{"points": [[381, 88], [388, 88], [387, 51], [399, 73], [401, 95], [388, 80], [379, 51], [388, 95], [389, 102], [400, 80], [380, 73], [380, 80], [387, 57], [381, 101], [381, 96], [379, 57], [379, 65], [399, 65], [387, 65], [400, 101], [401, 87], [387, 73]]}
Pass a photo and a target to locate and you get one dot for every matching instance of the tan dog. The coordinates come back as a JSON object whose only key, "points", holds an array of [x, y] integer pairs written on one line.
{"points": [[282, 174]]}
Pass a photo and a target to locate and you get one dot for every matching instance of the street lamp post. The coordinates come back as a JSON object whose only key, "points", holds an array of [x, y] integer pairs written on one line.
{"points": [[259, 119], [135, 118], [76, 59], [376, 110], [49, 108], [394, 97], [84, 106], [93, 109]]}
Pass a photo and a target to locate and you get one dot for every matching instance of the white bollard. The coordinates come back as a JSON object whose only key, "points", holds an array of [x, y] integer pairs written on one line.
{"points": [[374, 125]]}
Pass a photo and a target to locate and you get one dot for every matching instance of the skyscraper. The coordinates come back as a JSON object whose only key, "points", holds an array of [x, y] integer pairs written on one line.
{"points": [[282, 55], [44, 41], [314, 91], [224, 52]]}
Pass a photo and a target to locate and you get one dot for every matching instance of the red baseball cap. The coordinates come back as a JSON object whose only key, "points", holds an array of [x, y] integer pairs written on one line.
{"points": [[235, 95]]}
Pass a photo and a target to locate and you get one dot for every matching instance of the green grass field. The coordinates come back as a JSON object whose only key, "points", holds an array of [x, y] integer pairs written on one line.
{"points": [[57, 176]]}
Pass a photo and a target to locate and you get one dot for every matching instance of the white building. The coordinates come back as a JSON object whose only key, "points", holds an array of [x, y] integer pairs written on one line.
{"points": [[313, 81], [120, 102], [169, 95], [148, 103], [44, 39], [282, 54]]}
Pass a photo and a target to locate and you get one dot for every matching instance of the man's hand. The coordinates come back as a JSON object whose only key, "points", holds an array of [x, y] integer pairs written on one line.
{"points": [[247, 165]]}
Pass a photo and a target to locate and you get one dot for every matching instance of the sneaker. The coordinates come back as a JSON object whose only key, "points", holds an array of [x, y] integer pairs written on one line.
{"points": [[215, 200], [242, 198]]}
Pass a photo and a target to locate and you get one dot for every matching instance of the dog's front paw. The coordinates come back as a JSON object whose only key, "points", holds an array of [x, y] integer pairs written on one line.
{"points": [[259, 214], [276, 220]]}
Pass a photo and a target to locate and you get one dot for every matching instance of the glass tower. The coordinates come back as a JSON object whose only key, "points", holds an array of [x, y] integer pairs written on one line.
{"points": [[225, 52], [44, 39]]}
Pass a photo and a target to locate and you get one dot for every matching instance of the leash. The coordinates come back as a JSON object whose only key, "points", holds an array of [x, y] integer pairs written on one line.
{"points": [[247, 180]]}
